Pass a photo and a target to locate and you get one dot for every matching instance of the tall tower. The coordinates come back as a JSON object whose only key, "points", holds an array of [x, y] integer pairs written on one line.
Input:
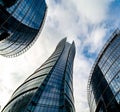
{"points": [[104, 81], [50, 87], [20, 23]]}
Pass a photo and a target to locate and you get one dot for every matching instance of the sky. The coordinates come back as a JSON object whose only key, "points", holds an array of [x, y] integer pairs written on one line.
{"points": [[89, 23]]}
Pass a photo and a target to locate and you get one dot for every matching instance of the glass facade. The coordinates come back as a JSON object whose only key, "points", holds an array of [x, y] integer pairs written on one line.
{"points": [[104, 82], [50, 87], [20, 23]]}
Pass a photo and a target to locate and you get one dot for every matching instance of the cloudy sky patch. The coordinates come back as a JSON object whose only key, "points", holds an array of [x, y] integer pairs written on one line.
{"points": [[88, 22]]}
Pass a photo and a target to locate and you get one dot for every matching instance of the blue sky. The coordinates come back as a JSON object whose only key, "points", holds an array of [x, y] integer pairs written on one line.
{"points": [[88, 23]]}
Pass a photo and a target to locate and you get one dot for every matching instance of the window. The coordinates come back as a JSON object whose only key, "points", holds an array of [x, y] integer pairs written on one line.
{"points": [[4, 35]]}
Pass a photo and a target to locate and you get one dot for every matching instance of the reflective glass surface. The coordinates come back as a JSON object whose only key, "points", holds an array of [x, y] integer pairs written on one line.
{"points": [[51, 98], [104, 84], [50, 87], [51, 94], [111, 67], [22, 20]]}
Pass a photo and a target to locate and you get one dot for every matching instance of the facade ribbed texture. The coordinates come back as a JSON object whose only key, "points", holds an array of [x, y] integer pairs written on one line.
{"points": [[50, 87], [104, 81], [20, 23]]}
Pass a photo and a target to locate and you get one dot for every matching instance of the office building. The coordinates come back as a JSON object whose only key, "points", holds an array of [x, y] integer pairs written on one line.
{"points": [[50, 87], [104, 80], [21, 22]]}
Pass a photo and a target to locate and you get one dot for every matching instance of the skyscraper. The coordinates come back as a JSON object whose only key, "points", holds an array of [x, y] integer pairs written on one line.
{"points": [[20, 22], [104, 81], [50, 87]]}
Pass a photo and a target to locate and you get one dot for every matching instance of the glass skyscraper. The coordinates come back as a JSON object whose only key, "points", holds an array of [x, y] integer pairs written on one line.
{"points": [[50, 87], [104, 81], [20, 22]]}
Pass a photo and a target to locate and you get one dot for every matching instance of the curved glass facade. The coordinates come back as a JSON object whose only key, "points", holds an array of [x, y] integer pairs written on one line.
{"points": [[104, 82], [20, 22], [50, 87]]}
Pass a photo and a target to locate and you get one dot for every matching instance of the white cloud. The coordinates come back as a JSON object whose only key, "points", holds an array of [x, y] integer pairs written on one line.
{"points": [[93, 10], [81, 72], [96, 39], [80, 20]]}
